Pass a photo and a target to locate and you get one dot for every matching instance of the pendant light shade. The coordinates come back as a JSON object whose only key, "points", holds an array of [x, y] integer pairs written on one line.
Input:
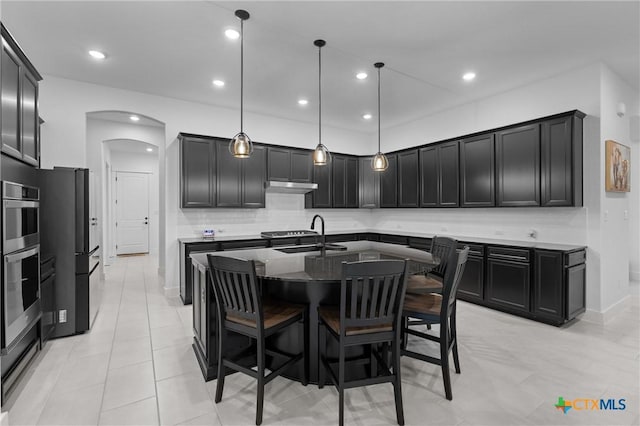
{"points": [[379, 163], [321, 155], [241, 146]]}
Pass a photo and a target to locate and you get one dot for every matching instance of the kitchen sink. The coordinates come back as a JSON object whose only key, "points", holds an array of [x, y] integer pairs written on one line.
{"points": [[314, 247]]}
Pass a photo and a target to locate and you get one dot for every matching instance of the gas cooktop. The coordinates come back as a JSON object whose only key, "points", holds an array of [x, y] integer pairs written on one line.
{"points": [[281, 234]]}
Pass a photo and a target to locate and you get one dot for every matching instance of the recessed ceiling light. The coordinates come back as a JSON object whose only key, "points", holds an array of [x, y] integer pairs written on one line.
{"points": [[469, 76], [302, 101], [149, 149], [232, 34], [361, 75], [96, 54], [218, 83], [134, 118], [367, 116]]}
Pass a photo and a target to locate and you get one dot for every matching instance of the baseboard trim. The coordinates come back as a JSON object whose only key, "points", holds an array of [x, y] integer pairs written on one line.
{"points": [[4, 418], [602, 318], [171, 291]]}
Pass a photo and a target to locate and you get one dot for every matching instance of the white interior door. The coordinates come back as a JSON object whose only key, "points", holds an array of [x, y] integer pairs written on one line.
{"points": [[132, 213]]}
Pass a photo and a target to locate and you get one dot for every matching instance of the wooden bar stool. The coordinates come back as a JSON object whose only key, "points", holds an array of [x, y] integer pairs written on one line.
{"points": [[242, 310], [371, 296], [441, 247], [437, 309]]}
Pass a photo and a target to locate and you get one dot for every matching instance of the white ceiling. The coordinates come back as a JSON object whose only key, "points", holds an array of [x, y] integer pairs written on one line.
{"points": [[176, 48]]}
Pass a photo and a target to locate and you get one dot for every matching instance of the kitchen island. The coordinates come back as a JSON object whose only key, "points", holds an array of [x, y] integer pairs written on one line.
{"points": [[310, 277]]}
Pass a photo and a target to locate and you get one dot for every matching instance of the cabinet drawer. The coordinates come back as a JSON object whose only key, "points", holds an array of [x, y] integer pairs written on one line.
{"points": [[474, 249], [516, 255], [234, 245], [575, 258]]}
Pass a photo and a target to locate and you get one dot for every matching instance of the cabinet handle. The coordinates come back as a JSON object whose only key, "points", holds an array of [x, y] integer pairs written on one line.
{"points": [[509, 256]]}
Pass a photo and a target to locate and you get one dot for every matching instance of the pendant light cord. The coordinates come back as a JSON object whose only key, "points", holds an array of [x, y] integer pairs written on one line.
{"points": [[319, 95], [241, 73], [378, 109]]}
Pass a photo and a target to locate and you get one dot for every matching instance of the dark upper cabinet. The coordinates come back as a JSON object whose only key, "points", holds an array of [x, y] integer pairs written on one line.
{"points": [[518, 166], [389, 183], [10, 102], [301, 166], [321, 197], [19, 91], [439, 175], [228, 177], [369, 184], [352, 190], [339, 180], [240, 181], [477, 167], [408, 179], [197, 169], [561, 152], [254, 171], [278, 164], [289, 165]]}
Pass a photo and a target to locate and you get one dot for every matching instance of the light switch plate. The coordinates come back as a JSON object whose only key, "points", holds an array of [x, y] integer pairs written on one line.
{"points": [[62, 316]]}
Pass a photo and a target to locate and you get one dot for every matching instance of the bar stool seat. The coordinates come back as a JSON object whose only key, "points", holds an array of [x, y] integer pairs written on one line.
{"points": [[275, 313], [419, 284], [331, 316], [425, 304]]}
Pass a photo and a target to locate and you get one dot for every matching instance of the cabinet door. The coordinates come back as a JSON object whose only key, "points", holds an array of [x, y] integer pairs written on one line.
{"points": [[548, 285], [279, 164], [557, 163], [429, 169], [472, 281], [10, 89], [389, 183], [197, 181], [29, 119], [229, 177], [197, 301], [518, 166], [408, 179], [321, 197], [448, 175], [339, 181], [253, 177], [205, 307], [351, 187], [369, 184], [576, 279], [301, 166], [477, 171], [508, 284]]}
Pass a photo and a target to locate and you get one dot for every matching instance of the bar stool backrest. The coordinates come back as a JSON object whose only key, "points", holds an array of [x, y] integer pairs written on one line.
{"points": [[372, 293], [443, 248], [452, 280], [236, 288]]}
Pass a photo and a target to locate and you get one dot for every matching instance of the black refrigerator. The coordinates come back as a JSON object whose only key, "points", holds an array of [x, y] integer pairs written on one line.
{"points": [[68, 231]]}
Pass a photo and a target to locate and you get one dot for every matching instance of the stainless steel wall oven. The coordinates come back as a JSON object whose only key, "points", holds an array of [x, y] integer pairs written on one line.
{"points": [[20, 217]]}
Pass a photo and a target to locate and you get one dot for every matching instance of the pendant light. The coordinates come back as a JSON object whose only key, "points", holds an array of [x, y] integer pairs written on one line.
{"points": [[321, 155], [241, 146], [379, 163]]}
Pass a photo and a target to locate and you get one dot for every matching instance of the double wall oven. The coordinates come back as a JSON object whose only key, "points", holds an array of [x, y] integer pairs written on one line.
{"points": [[20, 264]]}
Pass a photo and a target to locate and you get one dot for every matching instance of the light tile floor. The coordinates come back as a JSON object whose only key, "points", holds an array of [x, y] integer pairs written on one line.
{"points": [[136, 367]]}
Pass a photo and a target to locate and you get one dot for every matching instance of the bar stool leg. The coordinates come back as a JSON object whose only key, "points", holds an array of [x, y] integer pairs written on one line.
{"points": [[221, 370], [305, 349], [322, 341], [444, 360], [260, 397], [341, 384], [397, 384]]}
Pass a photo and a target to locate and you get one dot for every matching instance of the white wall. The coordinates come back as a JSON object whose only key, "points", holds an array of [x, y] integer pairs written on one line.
{"points": [[64, 103], [634, 122], [143, 163]]}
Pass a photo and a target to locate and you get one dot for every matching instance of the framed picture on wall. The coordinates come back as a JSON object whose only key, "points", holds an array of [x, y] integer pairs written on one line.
{"points": [[617, 167]]}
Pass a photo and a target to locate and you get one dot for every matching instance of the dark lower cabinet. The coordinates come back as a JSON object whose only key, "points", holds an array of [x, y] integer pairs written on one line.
{"points": [[559, 286], [472, 282], [509, 279], [389, 183], [477, 166], [518, 166]]}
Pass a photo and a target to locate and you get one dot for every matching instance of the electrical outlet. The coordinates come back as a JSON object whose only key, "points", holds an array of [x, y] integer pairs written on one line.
{"points": [[626, 215], [62, 316]]}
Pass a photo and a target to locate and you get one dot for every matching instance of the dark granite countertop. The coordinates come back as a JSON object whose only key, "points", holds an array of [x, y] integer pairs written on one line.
{"points": [[478, 240], [323, 265]]}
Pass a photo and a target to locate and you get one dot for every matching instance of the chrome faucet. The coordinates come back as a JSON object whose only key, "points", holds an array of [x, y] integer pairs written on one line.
{"points": [[313, 223]]}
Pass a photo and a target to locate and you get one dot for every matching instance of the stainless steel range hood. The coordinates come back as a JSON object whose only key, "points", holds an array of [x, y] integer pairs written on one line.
{"points": [[289, 187]]}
